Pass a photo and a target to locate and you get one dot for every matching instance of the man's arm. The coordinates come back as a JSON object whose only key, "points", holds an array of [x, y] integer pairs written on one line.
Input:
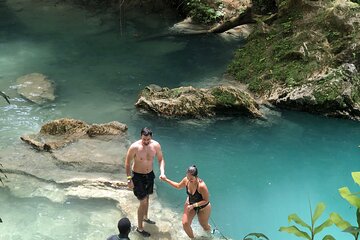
{"points": [[160, 157], [128, 159]]}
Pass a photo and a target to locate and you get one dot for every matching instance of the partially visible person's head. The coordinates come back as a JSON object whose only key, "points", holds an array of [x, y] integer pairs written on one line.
{"points": [[146, 135], [192, 173], [124, 226]]}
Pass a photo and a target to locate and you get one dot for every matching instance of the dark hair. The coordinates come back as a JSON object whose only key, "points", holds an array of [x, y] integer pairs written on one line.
{"points": [[146, 132], [192, 170], [124, 226]]}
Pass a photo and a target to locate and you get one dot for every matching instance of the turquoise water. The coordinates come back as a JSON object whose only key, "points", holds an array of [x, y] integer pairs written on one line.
{"points": [[258, 172]]}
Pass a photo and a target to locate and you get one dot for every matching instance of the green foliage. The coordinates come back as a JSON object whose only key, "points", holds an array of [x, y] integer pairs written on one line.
{"points": [[346, 226], [356, 177], [264, 6], [356, 94], [354, 201], [271, 59], [223, 97], [253, 236], [295, 47], [202, 12], [328, 93], [313, 230]]}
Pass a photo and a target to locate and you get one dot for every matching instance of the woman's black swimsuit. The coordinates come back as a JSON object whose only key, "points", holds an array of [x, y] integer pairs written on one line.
{"points": [[196, 197]]}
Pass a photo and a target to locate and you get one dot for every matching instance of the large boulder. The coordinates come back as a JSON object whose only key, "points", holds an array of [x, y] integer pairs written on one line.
{"points": [[36, 88], [336, 94], [59, 133], [190, 102]]}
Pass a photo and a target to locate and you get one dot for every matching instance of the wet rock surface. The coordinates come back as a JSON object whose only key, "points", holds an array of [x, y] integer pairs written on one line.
{"points": [[90, 166], [190, 102], [36, 88]]}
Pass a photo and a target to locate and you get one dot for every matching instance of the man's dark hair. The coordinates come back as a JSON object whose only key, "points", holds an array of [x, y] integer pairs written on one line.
{"points": [[192, 170], [146, 132], [124, 226]]}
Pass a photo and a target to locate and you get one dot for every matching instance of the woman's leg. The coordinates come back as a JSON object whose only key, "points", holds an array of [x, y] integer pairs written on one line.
{"points": [[187, 218], [203, 216]]}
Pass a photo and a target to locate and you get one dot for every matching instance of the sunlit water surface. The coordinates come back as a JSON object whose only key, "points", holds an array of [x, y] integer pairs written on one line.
{"points": [[258, 172]]}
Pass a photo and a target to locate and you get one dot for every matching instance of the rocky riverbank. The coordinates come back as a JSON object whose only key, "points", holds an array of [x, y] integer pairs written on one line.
{"points": [[90, 166], [307, 58]]}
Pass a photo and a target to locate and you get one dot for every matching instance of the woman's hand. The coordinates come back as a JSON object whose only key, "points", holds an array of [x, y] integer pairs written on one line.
{"points": [[190, 207], [163, 177]]}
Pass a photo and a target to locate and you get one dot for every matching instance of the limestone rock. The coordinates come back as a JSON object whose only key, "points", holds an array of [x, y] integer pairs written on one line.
{"points": [[190, 102], [112, 128], [334, 94], [61, 132], [36, 87], [187, 26]]}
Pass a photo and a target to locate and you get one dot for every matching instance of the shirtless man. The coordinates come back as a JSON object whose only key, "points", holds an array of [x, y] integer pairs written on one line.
{"points": [[141, 177]]}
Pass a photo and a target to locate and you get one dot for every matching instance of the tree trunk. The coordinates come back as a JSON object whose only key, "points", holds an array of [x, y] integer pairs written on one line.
{"points": [[244, 18]]}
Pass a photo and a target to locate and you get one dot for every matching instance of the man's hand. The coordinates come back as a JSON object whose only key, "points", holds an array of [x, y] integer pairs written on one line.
{"points": [[130, 184], [162, 177]]}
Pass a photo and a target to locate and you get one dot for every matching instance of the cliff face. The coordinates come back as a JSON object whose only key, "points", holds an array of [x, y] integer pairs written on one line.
{"points": [[308, 59]]}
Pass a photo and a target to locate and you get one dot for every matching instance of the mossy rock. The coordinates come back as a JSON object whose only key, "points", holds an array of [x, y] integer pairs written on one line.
{"points": [[190, 102]]}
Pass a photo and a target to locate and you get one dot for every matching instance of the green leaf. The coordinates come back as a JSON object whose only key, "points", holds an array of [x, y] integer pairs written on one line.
{"points": [[328, 237], [356, 177], [339, 222], [348, 196], [294, 217], [353, 230], [258, 235], [325, 224], [318, 211], [294, 230]]}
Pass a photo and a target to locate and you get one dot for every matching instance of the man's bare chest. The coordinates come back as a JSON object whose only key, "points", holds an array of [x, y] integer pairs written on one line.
{"points": [[146, 153]]}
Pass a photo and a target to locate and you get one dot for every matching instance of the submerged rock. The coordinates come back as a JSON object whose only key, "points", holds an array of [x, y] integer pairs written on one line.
{"points": [[36, 88], [190, 102]]}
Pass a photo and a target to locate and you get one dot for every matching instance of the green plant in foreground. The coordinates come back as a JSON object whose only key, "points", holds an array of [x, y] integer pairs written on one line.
{"points": [[313, 230], [252, 236], [354, 201]]}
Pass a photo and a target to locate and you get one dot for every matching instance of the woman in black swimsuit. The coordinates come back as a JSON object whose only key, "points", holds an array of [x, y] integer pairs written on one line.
{"points": [[197, 202]]}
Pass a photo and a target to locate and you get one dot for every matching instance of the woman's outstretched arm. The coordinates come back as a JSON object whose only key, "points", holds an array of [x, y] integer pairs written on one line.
{"points": [[177, 185]]}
